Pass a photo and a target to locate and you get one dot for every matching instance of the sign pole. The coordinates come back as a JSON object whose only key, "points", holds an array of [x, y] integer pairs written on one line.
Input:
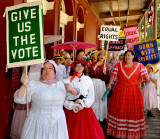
{"points": [[26, 69], [106, 57]]}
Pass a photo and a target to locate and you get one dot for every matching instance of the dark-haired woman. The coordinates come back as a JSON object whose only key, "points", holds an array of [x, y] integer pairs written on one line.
{"points": [[126, 109], [81, 120], [46, 119]]}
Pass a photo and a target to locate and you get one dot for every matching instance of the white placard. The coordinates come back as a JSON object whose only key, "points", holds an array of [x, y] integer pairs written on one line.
{"points": [[109, 33]]}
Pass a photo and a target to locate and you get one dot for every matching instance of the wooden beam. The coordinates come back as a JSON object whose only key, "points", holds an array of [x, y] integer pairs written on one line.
{"points": [[129, 5], [127, 21], [93, 1], [155, 19], [144, 28], [123, 23], [146, 11], [111, 10], [122, 13], [119, 13]]}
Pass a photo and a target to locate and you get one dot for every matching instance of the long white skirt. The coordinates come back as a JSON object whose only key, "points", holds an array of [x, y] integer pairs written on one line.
{"points": [[149, 96], [99, 106]]}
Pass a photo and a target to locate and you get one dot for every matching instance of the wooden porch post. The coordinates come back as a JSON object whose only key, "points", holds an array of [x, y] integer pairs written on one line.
{"points": [[139, 27], [155, 18], [145, 28]]}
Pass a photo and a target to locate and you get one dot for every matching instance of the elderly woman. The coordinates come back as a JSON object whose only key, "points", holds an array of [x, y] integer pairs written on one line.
{"points": [[100, 77], [126, 109], [46, 119], [81, 120], [149, 91]]}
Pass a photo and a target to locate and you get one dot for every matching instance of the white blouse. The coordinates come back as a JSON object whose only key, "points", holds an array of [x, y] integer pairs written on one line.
{"points": [[86, 89], [61, 72]]}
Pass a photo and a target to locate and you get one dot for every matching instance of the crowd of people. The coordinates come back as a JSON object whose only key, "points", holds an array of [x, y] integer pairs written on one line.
{"points": [[65, 97]]}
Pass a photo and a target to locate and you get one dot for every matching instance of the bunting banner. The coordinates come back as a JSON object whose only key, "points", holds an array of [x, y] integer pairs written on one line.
{"points": [[25, 38], [132, 36], [147, 52]]}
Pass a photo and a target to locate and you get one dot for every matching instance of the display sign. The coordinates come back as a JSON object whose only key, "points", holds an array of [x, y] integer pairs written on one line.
{"points": [[132, 36], [25, 37], [109, 33], [147, 52]]}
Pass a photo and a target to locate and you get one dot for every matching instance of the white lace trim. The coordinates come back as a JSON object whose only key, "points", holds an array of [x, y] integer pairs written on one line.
{"points": [[143, 73], [114, 72], [126, 124], [142, 70], [131, 73], [118, 128], [115, 69], [126, 120]]}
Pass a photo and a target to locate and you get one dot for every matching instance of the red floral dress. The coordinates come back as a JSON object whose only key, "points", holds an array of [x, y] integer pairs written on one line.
{"points": [[126, 107]]}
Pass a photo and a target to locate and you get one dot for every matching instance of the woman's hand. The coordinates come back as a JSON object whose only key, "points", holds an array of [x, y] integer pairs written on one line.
{"points": [[77, 102], [77, 109], [71, 89], [109, 86], [25, 80], [68, 87]]}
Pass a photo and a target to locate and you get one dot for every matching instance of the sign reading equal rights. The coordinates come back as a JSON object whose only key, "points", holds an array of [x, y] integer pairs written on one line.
{"points": [[25, 37], [109, 33]]}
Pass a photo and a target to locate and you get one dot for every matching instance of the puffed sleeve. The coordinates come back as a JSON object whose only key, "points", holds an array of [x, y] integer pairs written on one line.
{"points": [[91, 72], [143, 74], [31, 89], [64, 73], [69, 104], [88, 101], [61, 86], [155, 77], [114, 72], [69, 96]]}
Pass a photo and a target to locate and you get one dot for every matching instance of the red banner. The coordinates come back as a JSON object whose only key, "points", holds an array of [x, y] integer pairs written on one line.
{"points": [[132, 36]]}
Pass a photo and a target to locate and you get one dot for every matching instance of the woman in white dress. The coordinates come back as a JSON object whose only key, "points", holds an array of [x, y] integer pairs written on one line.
{"points": [[149, 91], [46, 119], [19, 115]]}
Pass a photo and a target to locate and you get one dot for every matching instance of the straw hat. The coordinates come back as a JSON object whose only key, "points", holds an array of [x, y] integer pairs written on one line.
{"points": [[59, 57], [66, 55], [154, 67], [101, 51]]}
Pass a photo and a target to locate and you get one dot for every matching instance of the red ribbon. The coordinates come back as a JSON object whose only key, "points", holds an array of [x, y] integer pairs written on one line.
{"points": [[74, 75]]}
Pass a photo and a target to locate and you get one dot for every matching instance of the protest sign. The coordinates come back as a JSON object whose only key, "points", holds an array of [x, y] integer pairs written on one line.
{"points": [[147, 52], [25, 44], [109, 33], [116, 45], [132, 36]]}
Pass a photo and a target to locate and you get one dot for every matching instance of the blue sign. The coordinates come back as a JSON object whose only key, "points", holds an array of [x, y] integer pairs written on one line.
{"points": [[147, 52]]}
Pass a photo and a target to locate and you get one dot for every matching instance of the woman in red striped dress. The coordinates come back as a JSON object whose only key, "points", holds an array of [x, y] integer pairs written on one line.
{"points": [[126, 108]]}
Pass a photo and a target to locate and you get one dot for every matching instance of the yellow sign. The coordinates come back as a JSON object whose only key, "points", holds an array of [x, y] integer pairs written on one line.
{"points": [[121, 33]]}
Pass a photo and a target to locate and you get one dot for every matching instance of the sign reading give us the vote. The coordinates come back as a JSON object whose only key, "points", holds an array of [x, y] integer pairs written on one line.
{"points": [[109, 33], [25, 37], [147, 52]]}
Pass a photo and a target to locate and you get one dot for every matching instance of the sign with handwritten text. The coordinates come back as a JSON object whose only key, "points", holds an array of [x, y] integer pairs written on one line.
{"points": [[132, 36], [109, 33], [24, 34], [147, 52]]}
